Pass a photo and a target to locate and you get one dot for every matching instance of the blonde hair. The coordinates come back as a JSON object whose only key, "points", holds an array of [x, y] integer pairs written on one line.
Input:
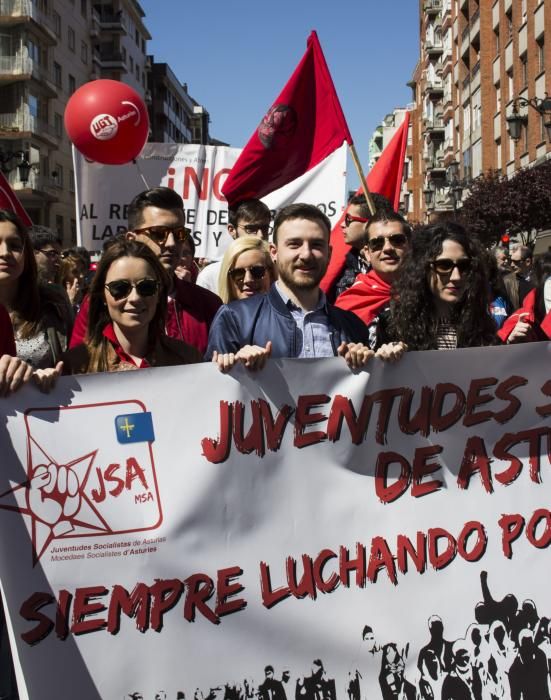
{"points": [[236, 248]]}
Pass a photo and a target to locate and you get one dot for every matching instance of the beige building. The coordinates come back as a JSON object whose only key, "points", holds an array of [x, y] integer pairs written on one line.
{"points": [[48, 48], [480, 61]]}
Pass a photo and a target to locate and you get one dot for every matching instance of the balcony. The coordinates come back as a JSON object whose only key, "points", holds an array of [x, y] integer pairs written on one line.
{"points": [[434, 89], [38, 189], [475, 77], [435, 127], [20, 67], [432, 7], [19, 124], [434, 50], [109, 21], [465, 41], [110, 60], [14, 12]]}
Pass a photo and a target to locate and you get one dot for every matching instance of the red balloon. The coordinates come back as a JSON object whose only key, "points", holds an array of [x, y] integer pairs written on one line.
{"points": [[107, 121]]}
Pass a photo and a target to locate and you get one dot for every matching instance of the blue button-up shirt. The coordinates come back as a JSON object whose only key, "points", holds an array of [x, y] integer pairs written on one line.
{"points": [[314, 329]]}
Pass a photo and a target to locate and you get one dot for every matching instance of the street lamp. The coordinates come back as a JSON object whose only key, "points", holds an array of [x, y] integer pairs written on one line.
{"points": [[7, 156], [455, 185], [515, 121]]}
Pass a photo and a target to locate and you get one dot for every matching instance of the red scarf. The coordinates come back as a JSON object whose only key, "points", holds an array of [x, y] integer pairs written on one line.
{"points": [[366, 297]]}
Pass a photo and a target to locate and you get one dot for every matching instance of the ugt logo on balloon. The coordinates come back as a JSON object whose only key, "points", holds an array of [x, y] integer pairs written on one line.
{"points": [[106, 486], [104, 127]]}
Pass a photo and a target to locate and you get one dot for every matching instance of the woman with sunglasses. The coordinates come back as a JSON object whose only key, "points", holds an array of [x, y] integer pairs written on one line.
{"points": [[128, 300], [440, 297], [247, 269]]}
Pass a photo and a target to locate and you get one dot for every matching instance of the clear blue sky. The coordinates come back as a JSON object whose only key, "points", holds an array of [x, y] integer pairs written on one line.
{"points": [[236, 56]]}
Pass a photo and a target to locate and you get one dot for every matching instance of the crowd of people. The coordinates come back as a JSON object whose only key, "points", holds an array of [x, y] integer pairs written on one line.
{"points": [[149, 303]]}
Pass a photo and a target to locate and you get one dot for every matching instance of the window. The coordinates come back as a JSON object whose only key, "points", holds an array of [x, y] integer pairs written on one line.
{"points": [[510, 85], [71, 39], [58, 125], [476, 109], [57, 175], [73, 232], [33, 106], [543, 130], [524, 70], [34, 51], [84, 52], [509, 20], [498, 98], [131, 63], [496, 36], [59, 225], [143, 45], [541, 54], [137, 38], [72, 84], [138, 73], [57, 75], [71, 180], [83, 8], [57, 23], [498, 154]]}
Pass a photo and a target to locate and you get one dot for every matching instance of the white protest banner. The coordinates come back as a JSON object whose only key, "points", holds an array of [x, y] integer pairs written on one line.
{"points": [[307, 532], [197, 173]]}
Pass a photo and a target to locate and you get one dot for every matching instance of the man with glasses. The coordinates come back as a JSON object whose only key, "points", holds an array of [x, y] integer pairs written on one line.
{"points": [[251, 217], [354, 229], [156, 218], [294, 319], [517, 283], [47, 253], [388, 237]]}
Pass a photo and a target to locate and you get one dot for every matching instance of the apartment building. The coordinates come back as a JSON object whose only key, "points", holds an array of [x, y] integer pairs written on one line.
{"points": [[481, 61], [48, 48], [380, 139], [174, 115]]}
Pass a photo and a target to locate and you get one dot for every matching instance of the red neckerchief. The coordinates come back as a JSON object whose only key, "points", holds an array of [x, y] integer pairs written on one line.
{"points": [[109, 333], [366, 297]]}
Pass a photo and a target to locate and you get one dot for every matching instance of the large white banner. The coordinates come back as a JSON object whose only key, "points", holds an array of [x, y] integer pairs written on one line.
{"points": [[197, 173], [308, 532]]}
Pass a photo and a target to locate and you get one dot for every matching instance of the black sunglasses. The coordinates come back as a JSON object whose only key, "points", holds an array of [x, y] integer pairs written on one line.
{"points": [[120, 289], [396, 240], [238, 273], [445, 265], [159, 234]]}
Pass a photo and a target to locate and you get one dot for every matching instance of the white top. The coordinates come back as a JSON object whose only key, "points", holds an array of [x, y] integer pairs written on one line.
{"points": [[208, 277]]}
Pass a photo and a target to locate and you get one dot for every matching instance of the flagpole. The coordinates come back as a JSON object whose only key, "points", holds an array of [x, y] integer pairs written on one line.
{"points": [[368, 197]]}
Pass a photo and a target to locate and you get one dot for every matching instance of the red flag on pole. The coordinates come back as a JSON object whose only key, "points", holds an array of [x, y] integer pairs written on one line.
{"points": [[303, 126], [9, 200], [384, 178]]}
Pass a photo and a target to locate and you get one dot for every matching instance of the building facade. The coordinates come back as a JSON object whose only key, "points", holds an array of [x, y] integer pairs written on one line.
{"points": [[477, 57], [174, 115], [48, 48]]}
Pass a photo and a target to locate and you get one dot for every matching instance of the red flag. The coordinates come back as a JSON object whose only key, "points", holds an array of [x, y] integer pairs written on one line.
{"points": [[384, 178], [8, 200], [303, 126]]}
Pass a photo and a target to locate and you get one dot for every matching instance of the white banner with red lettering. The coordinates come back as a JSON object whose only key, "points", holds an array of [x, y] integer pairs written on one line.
{"points": [[307, 533], [197, 173]]}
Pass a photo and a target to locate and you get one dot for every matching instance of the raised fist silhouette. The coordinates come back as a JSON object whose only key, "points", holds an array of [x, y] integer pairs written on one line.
{"points": [[54, 496]]}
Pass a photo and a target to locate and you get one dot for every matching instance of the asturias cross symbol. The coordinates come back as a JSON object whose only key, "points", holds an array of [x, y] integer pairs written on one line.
{"points": [[127, 427]]}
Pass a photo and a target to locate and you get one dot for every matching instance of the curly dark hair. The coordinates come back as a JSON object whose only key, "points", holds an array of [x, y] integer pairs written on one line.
{"points": [[413, 311]]}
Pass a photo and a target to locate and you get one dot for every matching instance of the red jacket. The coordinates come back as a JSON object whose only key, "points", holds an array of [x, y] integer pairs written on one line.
{"points": [[7, 342], [540, 331], [190, 313]]}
